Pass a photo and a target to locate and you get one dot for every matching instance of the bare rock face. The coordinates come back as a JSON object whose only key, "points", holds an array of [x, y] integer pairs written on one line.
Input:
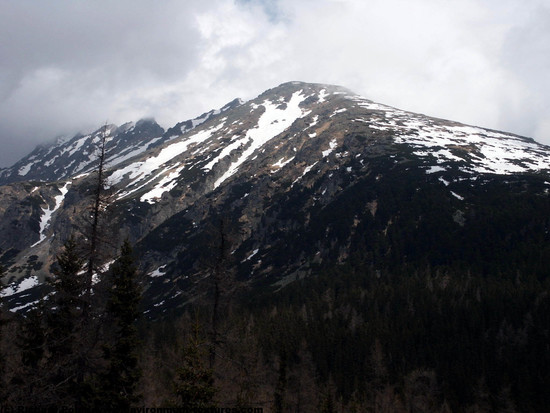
{"points": [[303, 176]]}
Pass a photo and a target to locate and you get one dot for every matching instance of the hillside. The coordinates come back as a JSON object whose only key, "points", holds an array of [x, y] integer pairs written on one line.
{"points": [[304, 175]]}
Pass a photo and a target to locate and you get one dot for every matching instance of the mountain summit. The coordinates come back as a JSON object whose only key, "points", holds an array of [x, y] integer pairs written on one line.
{"points": [[302, 177]]}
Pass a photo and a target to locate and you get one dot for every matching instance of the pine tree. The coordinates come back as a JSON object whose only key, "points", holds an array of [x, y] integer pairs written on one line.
{"points": [[119, 383], [67, 347], [195, 381], [29, 380], [31, 338], [280, 388], [65, 316]]}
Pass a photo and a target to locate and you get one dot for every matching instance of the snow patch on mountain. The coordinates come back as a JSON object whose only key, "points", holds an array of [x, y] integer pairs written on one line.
{"points": [[272, 122], [223, 153], [434, 169], [75, 146], [323, 95], [457, 196], [332, 146], [484, 151], [336, 112], [306, 170], [48, 212], [138, 171], [251, 255], [24, 170], [158, 272], [280, 163], [24, 285], [166, 184], [130, 153], [489, 152]]}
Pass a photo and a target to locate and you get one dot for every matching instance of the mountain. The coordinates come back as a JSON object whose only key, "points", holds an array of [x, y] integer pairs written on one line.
{"points": [[66, 158], [69, 157], [303, 178]]}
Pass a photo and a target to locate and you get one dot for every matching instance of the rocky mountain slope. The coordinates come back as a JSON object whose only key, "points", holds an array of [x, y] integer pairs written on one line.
{"points": [[302, 177], [66, 158]]}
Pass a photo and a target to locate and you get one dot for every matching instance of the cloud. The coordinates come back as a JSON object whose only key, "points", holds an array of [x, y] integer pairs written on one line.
{"points": [[69, 66], [526, 55]]}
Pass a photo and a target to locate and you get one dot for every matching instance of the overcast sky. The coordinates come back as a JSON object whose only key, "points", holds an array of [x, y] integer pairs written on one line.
{"points": [[71, 65]]}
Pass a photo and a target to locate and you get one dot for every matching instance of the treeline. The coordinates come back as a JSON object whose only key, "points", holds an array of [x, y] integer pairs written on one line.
{"points": [[353, 340], [344, 339], [422, 340]]}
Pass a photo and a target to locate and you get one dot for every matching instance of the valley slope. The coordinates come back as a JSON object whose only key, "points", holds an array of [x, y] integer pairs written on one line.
{"points": [[302, 178]]}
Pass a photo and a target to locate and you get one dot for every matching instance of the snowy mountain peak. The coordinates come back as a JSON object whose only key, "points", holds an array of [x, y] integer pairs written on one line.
{"points": [[275, 166], [266, 132]]}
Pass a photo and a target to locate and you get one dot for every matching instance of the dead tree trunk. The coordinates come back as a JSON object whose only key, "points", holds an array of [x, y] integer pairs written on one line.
{"points": [[94, 234]]}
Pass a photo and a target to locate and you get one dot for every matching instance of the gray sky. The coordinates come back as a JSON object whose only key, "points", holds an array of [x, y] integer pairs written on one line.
{"points": [[71, 65]]}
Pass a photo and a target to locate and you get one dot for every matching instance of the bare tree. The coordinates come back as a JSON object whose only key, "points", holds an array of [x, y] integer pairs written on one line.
{"points": [[100, 241], [98, 205]]}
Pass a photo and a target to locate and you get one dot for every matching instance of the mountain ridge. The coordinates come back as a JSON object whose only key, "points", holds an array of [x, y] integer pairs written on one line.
{"points": [[131, 139], [282, 169]]}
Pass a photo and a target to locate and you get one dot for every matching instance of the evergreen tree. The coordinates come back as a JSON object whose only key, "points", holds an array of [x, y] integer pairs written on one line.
{"points": [[31, 338], [119, 384], [29, 381], [280, 388], [195, 381], [68, 351], [64, 317]]}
